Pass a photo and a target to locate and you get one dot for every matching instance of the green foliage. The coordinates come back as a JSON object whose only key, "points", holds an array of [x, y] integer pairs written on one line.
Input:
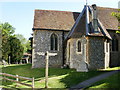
{"points": [[7, 31], [117, 31], [117, 15], [16, 49], [11, 46], [25, 43]]}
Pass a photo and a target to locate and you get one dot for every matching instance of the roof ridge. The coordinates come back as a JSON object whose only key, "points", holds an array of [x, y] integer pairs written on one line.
{"points": [[107, 7], [54, 10]]}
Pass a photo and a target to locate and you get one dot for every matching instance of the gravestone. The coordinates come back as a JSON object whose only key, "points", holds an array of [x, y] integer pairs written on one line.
{"points": [[82, 67]]}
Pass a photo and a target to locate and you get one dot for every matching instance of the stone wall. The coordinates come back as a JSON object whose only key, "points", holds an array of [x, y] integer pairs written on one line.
{"points": [[41, 43], [114, 55], [76, 59], [96, 55]]}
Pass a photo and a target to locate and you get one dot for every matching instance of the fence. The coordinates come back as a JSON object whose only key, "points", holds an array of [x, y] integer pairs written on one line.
{"points": [[17, 79]]}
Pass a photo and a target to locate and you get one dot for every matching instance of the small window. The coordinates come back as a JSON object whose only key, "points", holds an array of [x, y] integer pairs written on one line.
{"points": [[79, 46], [114, 44], [54, 42]]}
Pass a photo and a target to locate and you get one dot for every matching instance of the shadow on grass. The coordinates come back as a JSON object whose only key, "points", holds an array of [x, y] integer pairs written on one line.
{"points": [[7, 87], [112, 82], [37, 73], [72, 77]]}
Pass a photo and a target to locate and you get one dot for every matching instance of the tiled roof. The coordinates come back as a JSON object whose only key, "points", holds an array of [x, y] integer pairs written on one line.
{"points": [[58, 20], [108, 21], [64, 20], [79, 28]]}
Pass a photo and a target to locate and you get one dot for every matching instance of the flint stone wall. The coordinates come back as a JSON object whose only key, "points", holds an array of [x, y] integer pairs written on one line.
{"points": [[41, 43], [96, 55], [114, 55], [76, 59]]}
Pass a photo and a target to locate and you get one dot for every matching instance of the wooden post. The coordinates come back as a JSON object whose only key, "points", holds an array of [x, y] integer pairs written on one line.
{"points": [[47, 54], [46, 70], [9, 60], [4, 79], [4, 62], [17, 79], [33, 83]]}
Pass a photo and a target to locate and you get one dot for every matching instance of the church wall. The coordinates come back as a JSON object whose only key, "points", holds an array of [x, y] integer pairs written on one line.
{"points": [[76, 59], [96, 55], [114, 55], [65, 47], [41, 43], [107, 53]]}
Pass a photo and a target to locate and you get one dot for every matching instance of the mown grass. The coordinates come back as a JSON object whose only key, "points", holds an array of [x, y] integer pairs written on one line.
{"points": [[110, 69], [58, 78], [110, 82]]}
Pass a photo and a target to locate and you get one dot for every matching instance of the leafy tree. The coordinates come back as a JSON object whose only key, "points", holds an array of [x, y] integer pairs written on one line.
{"points": [[11, 46], [25, 43], [117, 15], [16, 49], [7, 31]]}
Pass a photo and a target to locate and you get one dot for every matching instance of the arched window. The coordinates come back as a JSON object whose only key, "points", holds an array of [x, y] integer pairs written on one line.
{"points": [[115, 44], [79, 46], [54, 42]]}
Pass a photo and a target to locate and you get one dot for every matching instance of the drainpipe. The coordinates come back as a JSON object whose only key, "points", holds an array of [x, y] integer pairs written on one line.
{"points": [[63, 47]]}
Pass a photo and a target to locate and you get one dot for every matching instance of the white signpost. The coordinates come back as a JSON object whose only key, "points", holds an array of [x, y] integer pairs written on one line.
{"points": [[47, 55]]}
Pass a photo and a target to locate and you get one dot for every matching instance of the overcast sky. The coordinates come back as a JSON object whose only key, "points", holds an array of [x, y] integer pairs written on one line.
{"points": [[20, 14]]}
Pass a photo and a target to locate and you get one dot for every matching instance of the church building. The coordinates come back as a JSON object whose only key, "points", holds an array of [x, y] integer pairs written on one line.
{"points": [[83, 41]]}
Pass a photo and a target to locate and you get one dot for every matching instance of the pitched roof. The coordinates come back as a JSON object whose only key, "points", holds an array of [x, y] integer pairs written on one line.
{"points": [[64, 20], [79, 28], [51, 19], [83, 25], [109, 22]]}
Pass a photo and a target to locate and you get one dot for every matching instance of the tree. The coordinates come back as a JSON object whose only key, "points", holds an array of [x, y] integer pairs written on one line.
{"points": [[7, 31], [25, 43], [117, 15], [11, 46], [16, 49]]}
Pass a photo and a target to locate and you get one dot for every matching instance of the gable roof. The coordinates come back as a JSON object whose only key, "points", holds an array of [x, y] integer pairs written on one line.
{"points": [[79, 28], [82, 25], [109, 21], [64, 20], [51, 19]]}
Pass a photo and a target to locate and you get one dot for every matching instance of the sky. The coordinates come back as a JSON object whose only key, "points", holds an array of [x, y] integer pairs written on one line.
{"points": [[20, 13]]}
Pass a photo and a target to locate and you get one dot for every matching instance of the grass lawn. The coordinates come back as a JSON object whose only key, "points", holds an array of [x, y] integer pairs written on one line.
{"points": [[110, 82], [58, 78]]}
